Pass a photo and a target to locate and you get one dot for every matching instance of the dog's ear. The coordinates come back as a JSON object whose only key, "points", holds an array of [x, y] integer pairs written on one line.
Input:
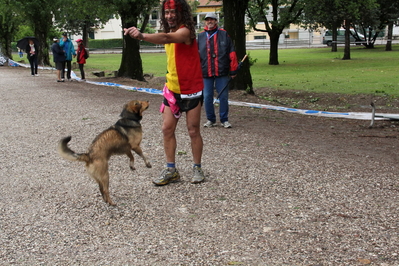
{"points": [[137, 107], [133, 107]]}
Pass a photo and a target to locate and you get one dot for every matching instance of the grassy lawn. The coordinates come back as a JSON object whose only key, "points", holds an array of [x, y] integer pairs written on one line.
{"points": [[310, 69], [320, 70]]}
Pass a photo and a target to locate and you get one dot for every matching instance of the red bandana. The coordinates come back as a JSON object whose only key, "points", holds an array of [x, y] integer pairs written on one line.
{"points": [[170, 5]]}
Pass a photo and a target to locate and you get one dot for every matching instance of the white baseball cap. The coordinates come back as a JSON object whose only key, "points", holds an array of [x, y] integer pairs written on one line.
{"points": [[211, 15]]}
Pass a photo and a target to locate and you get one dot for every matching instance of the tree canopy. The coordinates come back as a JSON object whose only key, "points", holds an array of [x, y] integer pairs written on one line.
{"points": [[276, 16], [79, 17], [130, 12], [9, 23]]}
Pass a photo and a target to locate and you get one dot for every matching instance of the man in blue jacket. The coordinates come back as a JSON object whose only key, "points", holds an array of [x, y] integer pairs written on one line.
{"points": [[218, 63], [69, 51]]}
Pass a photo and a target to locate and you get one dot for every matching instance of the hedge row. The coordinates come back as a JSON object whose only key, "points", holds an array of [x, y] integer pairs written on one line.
{"points": [[97, 44], [111, 44]]}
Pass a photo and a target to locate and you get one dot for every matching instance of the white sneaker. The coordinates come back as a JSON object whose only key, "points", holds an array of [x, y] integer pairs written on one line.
{"points": [[198, 175], [226, 124], [209, 124]]}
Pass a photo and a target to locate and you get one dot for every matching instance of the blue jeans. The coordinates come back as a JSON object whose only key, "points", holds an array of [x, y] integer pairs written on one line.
{"points": [[217, 83]]}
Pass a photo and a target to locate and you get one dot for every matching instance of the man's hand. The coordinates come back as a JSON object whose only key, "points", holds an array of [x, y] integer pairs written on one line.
{"points": [[182, 35], [134, 33]]}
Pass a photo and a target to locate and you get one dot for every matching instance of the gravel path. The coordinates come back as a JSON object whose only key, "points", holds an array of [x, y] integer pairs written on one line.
{"points": [[281, 189]]}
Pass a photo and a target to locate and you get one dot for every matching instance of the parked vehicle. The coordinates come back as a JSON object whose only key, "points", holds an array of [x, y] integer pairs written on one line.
{"points": [[327, 38]]}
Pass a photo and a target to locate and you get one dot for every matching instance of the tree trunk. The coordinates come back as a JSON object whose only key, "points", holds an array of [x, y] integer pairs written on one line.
{"points": [[42, 27], [388, 46], [274, 39], [131, 64], [234, 23], [7, 50], [334, 38], [85, 34], [43, 57], [347, 50]]}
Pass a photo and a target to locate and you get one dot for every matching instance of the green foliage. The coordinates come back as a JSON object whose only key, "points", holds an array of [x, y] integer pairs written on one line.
{"points": [[153, 63], [9, 23], [39, 15], [112, 44], [77, 17], [147, 29], [276, 16], [106, 44], [23, 31]]}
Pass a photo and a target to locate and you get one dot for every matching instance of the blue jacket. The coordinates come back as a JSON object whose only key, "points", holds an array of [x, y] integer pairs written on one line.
{"points": [[68, 48]]}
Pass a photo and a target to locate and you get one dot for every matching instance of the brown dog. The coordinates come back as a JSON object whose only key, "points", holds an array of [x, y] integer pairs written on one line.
{"points": [[120, 138]]}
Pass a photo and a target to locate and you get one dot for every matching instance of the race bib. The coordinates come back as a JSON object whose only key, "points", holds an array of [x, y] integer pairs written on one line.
{"points": [[191, 96]]}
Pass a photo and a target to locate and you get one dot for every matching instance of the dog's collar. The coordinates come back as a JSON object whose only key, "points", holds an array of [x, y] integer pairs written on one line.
{"points": [[124, 122]]}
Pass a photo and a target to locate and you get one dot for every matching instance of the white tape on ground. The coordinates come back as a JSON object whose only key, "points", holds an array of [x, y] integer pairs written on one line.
{"points": [[349, 115]]}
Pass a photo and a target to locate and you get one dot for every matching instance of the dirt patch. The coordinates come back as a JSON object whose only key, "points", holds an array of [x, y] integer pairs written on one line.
{"points": [[281, 188]]}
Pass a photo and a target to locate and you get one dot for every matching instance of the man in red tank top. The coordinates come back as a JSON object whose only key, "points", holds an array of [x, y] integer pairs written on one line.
{"points": [[184, 85]]}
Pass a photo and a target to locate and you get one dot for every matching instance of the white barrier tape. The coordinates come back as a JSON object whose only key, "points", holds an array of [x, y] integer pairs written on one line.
{"points": [[349, 115]]}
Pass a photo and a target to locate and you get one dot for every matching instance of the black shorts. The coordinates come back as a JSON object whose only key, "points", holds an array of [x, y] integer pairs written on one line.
{"points": [[185, 105]]}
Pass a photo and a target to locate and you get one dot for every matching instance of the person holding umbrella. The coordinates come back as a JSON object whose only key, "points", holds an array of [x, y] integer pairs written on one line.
{"points": [[219, 64], [32, 50]]}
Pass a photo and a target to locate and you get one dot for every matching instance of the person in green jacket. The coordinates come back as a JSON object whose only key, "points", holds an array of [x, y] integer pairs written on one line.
{"points": [[69, 51]]}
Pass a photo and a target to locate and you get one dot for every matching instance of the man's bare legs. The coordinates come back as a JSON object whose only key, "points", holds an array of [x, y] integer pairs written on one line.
{"points": [[193, 118], [169, 125], [169, 137]]}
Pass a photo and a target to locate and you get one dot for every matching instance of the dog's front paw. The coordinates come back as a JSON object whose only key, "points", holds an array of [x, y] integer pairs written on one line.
{"points": [[132, 168], [148, 165]]}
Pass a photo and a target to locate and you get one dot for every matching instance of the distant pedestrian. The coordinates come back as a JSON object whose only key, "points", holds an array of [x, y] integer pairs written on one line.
{"points": [[69, 51], [219, 64], [58, 58], [32, 52], [20, 53], [81, 56]]}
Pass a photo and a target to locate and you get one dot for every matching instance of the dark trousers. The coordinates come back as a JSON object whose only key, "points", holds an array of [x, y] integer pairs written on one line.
{"points": [[69, 68], [82, 71], [33, 64]]}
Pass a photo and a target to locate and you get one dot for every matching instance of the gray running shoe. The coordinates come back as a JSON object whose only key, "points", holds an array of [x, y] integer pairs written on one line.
{"points": [[198, 175], [166, 177], [209, 124], [226, 124]]}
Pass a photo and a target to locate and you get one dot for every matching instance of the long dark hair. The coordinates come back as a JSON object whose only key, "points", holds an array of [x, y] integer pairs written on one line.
{"points": [[183, 15]]}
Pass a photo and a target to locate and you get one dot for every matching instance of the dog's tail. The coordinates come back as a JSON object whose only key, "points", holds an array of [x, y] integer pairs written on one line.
{"points": [[69, 154]]}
